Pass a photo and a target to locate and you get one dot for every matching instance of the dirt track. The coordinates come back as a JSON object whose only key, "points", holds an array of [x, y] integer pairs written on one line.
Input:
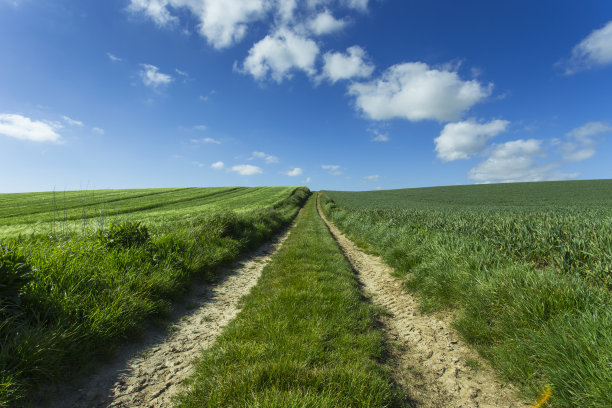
{"points": [[431, 362], [148, 374]]}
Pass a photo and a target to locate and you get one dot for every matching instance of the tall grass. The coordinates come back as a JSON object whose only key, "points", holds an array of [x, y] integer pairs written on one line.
{"points": [[78, 296], [304, 338], [536, 323]]}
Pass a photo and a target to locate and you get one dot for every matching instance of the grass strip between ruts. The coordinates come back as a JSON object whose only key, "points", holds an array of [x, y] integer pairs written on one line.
{"points": [[305, 337]]}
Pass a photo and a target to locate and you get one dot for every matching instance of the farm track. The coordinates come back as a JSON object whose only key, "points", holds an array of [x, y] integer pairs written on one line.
{"points": [[431, 362], [149, 373]]}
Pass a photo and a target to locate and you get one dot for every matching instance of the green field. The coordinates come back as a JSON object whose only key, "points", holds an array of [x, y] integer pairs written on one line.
{"points": [[86, 211], [80, 272], [527, 267]]}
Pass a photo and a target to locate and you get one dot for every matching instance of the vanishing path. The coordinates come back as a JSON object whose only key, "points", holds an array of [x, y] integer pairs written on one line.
{"points": [[431, 360], [149, 374]]}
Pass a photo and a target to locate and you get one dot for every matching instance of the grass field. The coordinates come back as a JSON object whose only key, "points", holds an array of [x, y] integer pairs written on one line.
{"points": [[87, 211], [527, 267], [304, 338], [81, 274]]}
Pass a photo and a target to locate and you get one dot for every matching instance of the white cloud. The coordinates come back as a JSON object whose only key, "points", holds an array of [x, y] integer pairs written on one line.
{"points": [[516, 161], [269, 159], [414, 91], [181, 73], [198, 164], [373, 177], [113, 57], [72, 122], [353, 64], [295, 172], [325, 23], [156, 9], [357, 4], [207, 140], [308, 180], [462, 140], [218, 165], [246, 170], [200, 127], [98, 131], [379, 136], [151, 76], [222, 22], [333, 169], [595, 50], [580, 142], [23, 128], [279, 54]]}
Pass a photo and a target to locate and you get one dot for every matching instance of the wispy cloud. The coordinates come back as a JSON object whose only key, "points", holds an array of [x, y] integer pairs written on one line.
{"points": [[378, 136], [333, 169], [373, 177], [268, 158], [98, 131], [594, 51], [24, 128], [581, 142], [152, 78], [72, 122], [113, 57]]}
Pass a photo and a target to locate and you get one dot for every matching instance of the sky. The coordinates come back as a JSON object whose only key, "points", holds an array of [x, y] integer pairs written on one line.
{"points": [[332, 94]]}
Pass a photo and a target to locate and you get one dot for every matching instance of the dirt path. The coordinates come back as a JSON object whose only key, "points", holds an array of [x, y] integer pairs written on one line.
{"points": [[432, 363], [148, 374]]}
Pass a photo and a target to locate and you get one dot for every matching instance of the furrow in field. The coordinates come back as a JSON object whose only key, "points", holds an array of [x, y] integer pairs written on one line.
{"points": [[431, 362], [149, 374]]}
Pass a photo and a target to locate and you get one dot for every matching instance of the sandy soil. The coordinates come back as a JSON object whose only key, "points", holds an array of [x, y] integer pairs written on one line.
{"points": [[149, 373], [430, 360]]}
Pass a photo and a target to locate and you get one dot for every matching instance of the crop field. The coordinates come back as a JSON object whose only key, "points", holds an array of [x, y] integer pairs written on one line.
{"points": [[80, 272], [527, 267], [86, 211]]}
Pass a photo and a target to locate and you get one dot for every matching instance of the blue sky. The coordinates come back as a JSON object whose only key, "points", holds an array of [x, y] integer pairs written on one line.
{"points": [[333, 94]]}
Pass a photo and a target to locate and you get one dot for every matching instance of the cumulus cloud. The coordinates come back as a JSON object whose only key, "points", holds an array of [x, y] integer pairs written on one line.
{"points": [[246, 170], [462, 140], [325, 23], [72, 122], [152, 78], [24, 128], [333, 169], [415, 91], [222, 22], [580, 142], [268, 158], [516, 161], [594, 51], [218, 165], [353, 64], [279, 54], [295, 172]]}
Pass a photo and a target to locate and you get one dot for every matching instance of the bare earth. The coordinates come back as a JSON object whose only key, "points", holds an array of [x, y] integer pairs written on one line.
{"points": [[148, 374], [430, 359]]}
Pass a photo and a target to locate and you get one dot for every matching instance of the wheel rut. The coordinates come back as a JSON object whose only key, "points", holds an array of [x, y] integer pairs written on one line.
{"points": [[430, 360], [149, 373]]}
